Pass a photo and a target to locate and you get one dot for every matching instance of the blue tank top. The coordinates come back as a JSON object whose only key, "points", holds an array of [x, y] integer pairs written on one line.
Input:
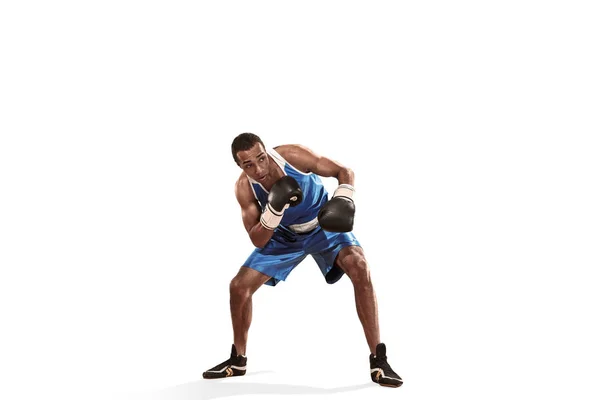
{"points": [[314, 193]]}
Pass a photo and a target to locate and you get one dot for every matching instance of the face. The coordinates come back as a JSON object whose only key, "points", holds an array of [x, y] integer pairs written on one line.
{"points": [[255, 162]]}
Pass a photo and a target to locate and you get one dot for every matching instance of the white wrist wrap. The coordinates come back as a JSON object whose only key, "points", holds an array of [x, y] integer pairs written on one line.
{"points": [[270, 219], [344, 190]]}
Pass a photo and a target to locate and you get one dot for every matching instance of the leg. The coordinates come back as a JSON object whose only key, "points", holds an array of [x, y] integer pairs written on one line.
{"points": [[352, 261], [241, 289]]}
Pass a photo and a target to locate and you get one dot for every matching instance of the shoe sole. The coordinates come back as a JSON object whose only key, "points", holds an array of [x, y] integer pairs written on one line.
{"points": [[229, 374], [391, 386]]}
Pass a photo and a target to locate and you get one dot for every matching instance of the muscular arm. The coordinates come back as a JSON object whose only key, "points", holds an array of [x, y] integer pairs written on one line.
{"points": [[307, 161], [259, 235]]}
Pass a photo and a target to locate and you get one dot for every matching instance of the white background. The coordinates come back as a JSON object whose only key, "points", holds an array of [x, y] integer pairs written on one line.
{"points": [[471, 128]]}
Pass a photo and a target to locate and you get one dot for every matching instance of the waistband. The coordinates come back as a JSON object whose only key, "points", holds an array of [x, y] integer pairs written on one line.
{"points": [[304, 227]]}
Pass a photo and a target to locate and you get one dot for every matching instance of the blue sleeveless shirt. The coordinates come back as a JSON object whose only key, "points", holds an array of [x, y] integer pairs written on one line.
{"points": [[314, 194]]}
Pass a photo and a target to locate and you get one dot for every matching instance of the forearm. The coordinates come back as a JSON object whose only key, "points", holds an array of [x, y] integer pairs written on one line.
{"points": [[259, 235], [345, 176]]}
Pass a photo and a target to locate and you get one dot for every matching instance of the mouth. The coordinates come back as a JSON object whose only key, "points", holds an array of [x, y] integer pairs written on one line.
{"points": [[262, 178]]}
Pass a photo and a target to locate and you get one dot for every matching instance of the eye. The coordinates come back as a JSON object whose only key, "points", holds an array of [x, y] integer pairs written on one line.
{"points": [[247, 166], [261, 159]]}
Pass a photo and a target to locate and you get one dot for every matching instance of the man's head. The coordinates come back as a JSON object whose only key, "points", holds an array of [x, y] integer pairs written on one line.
{"points": [[249, 153]]}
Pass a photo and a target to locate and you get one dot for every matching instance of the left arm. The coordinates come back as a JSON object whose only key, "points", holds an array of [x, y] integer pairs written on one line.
{"points": [[337, 215], [306, 160]]}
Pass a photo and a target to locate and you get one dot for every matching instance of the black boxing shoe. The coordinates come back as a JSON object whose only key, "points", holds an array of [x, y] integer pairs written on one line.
{"points": [[235, 366], [381, 372]]}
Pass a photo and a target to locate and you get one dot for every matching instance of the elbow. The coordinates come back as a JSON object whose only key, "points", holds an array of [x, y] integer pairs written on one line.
{"points": [[260, 236], [258, 242]]}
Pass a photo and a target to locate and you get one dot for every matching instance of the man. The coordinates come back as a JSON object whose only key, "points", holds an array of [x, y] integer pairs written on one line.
{"points": [[286, 211]]}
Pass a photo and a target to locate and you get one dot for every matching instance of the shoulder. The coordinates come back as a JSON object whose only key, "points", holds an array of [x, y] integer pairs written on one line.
{"points": [[243, 191], [301, 157], [292, 150]]}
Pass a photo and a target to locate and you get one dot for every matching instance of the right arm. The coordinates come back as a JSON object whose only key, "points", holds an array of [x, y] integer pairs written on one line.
{"points": [[259, 235]]}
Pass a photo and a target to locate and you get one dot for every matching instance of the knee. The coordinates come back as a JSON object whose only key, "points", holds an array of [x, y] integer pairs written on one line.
{"points": [[358, 271], [238, 290]]}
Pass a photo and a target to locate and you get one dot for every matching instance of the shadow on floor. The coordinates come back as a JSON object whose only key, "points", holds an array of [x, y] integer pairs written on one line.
{"points": [[204, 389]]}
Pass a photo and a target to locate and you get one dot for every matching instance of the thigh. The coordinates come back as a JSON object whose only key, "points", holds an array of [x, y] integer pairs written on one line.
{"points": [[250, 278], [275, 264], [329, 244], [325, 248]]}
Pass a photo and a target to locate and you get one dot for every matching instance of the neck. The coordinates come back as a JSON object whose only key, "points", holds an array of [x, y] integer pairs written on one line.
{"points": [[274, 174]]}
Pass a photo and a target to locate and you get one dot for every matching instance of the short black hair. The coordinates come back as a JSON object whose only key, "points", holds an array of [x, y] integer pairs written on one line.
{"points": [[244, 141]]}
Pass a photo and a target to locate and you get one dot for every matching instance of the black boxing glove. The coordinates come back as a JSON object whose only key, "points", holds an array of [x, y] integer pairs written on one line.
{"points": [[285, 193], [337, 215]]}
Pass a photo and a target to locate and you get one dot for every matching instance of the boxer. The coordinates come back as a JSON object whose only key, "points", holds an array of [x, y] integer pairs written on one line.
{"points": [[288, 216]]}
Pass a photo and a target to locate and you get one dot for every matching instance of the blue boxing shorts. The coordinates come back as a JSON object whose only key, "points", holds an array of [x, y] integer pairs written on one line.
{"points": [[287, 249]]}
